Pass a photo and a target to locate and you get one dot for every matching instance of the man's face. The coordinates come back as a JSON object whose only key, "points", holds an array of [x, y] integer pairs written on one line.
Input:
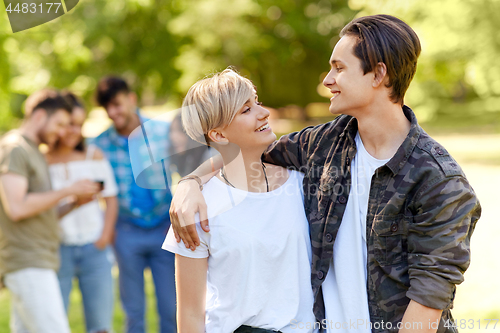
{"points": [[54, 127], [352, 90], [121, 109]]}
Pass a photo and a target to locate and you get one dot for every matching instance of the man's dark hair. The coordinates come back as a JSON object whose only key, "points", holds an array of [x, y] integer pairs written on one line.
{"points": [[108, 88], [75, 102], [49, 100], [387, 39], [72, 99]]}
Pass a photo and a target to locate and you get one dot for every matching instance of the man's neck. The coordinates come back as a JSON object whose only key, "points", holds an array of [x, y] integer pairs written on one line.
{"points": [[383, 129]]}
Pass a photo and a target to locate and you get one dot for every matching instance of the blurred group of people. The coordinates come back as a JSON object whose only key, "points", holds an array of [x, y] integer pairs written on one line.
{"points": [[70, 211]]}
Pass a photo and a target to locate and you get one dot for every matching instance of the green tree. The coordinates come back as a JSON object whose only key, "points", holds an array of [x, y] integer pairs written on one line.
{"points": [[96, 38], [283, 46], [458, 73]]}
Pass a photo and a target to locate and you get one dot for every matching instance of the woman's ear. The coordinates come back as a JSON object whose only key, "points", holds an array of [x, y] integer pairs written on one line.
{"points": [[380, 75], [216, 136]]}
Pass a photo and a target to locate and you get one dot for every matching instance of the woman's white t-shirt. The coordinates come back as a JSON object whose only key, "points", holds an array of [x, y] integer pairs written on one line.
{"points": [[259, 258], [84, 224]]}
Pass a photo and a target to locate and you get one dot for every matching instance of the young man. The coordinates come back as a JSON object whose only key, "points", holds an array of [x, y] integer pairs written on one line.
{"points": [[29, 230], [391, 213], [143, 218]]}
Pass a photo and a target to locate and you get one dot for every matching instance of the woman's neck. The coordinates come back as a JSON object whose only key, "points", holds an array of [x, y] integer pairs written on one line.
{"points": [[245, 172], [63, 154]]}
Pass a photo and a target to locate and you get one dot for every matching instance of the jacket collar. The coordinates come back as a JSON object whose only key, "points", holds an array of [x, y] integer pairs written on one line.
{"points": [[404, 151]]}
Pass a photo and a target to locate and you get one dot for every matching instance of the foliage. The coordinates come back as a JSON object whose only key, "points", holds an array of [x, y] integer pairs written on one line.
{"points": [[283, 46], [128, 38], [458, 71], [163, 46]]}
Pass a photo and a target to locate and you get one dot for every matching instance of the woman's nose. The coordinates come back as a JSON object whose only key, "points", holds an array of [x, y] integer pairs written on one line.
{"points": [[264, 112]]}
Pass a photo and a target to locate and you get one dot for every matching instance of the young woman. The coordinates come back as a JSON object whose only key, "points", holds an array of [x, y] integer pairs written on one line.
{"points": [[252, 271], [87, 231]]}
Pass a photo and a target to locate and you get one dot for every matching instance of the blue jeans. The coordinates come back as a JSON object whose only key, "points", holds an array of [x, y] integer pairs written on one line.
{"points": [[92, 267], [137, 248]]}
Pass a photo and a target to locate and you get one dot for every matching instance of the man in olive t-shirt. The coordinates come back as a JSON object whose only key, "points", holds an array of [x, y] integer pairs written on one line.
{"points": [[29, 231]]}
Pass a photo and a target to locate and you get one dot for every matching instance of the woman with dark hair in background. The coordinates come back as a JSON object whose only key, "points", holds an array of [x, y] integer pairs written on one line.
{"points": [[87, 231]]}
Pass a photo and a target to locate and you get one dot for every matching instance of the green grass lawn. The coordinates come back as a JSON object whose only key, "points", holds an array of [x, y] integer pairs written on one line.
{"points": [[75, 314]]}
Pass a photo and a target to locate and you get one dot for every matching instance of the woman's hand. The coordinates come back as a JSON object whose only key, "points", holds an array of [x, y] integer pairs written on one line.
{"points": [[186, 202], [105, 240], [108, 231]]}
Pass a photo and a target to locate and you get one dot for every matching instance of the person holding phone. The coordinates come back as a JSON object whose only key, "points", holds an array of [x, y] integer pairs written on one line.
{"points": [[87, 231], [29, 227]]}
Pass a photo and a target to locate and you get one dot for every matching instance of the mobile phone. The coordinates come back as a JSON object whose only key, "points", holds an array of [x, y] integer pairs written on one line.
{"points": [[101, 184]]}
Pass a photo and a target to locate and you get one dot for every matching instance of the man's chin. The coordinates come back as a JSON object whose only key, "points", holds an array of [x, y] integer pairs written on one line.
{"points": [[336, 111], [120, 125], [333, 111]]}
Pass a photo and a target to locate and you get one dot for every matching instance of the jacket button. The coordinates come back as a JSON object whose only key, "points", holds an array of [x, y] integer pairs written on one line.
{"points": [[439, 151], [342, 200], [394, 227], [329, 237], [321, 275]]}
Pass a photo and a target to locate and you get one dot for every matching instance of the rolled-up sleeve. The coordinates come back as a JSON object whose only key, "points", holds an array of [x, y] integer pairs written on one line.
{"points": [[439, 240]]}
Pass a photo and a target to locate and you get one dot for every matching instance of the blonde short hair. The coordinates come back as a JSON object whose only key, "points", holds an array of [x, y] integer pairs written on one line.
{"points": [[213, 102]]}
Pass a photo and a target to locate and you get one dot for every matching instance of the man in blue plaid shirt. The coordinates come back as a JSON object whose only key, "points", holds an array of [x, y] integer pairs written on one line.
{"points": [[135, 147]]}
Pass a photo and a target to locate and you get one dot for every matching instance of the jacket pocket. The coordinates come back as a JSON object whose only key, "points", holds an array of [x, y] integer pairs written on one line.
{"points": [[389, 235]]}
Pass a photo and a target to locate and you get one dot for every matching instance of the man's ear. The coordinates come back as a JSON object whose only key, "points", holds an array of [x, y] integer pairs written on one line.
{"points": [[216, 136], [132, 98], [39, 116], [380, 75]]}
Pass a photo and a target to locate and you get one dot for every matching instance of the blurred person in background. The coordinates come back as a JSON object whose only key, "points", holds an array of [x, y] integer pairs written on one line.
{"points": [[143, 217], [29, 228], [185, 153], [87, 232]]}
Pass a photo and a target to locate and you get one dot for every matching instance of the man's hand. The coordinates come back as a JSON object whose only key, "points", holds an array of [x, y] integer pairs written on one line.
{"points": [[420, 318], [84, 188], [84, 191], [186, 202], [19, 204]]}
